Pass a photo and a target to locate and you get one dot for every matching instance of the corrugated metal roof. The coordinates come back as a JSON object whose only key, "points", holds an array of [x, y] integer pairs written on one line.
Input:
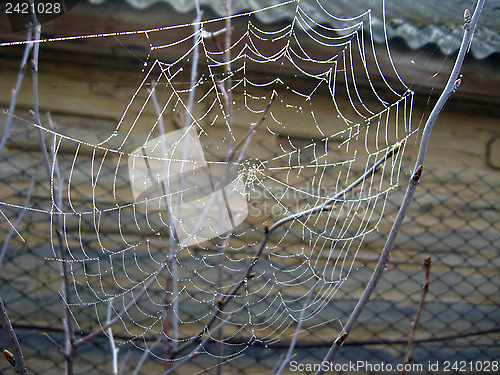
{"points": [[418, 22]]}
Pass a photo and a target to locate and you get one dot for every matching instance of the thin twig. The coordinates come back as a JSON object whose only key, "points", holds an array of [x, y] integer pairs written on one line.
{"points": [[56, 191], [56, 185], [450, 88], [36, 108], [19, 365], [290, 355], [15, 90], [114, 350], [228, 92], [200, 345], [228, 98], [19, 218], [145, 355], [277, 364], [220, 331], [124, 361], [172, 286], [55, 343], [416, 319], [194, 64], [13, 228]]}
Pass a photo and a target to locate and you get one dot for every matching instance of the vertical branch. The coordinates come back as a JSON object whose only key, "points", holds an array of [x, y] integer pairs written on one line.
{"points": [[220, 285], [450, 88], [228, 81], [195, 352], [56, 187], [114, 350], [228, 98], [123, 362], [19, 218], [172, 286], [194, 64], [277, 364], [416, 319], [15, 90], [145, 355], [289, 354], [18, 363], [6, 135]]}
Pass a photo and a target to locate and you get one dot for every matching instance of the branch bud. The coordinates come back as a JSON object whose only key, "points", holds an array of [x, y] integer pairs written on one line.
{"points": [[467, 16], [417, 173], [427, 262], [330, 207], [395, 149], [340, 340], [10, 357]]}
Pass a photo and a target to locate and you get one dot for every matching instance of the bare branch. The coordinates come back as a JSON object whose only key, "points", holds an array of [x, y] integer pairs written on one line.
{"points": [[200, 345], [15, 91], [289, 355], [114, 350], [384, 256], [277, 364], [123, 362], [19, 364], [194, 64], [56, 192], [228, 81], [416, 319], [145, 355], [228, 98], [56, 185], [56, 344], [19, 218], [172, 285]]}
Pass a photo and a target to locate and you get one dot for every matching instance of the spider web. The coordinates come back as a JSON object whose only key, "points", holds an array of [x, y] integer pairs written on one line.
{"points": [[321, 116]]}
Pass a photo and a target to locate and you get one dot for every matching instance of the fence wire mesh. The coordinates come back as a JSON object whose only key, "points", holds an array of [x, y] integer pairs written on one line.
{"points": [[454, 219]]}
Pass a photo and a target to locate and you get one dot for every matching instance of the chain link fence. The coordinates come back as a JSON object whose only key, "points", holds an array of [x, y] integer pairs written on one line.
{"points": [[454, 218]]}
